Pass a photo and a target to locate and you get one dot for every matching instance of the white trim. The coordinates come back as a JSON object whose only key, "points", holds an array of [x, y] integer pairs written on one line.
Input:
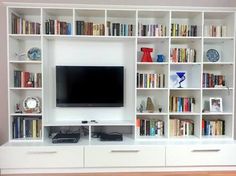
{"points": [[112, 170]]}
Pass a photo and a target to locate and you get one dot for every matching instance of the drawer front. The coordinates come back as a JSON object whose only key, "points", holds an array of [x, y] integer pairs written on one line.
{"points": [[124, 156], [41, 157], [201, 155]]}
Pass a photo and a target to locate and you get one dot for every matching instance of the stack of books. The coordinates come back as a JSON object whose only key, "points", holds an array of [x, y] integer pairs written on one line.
{"points": [[215, 30], [151, 30], [181, 127], [150, 127], [183, 30], [89, 28], [120, 29], [183, 55], [56, 27], [22, 26], [27, 79], [213, 127], [150, 80], [182, 104], [210, 80], [26, 127]]}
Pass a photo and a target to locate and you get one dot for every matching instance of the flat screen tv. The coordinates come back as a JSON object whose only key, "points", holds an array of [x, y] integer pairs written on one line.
{"points": [[89, 86]]}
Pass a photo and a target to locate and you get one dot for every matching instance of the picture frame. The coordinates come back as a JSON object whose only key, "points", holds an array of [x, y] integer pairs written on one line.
{"points": [[216, 104]]}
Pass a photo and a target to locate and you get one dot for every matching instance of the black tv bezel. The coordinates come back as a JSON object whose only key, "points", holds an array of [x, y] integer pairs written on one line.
{"points": [[58, 104]]}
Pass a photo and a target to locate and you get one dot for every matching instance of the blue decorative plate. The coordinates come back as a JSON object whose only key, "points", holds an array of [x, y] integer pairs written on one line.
{"points": [[34, 53], [213, 55]]}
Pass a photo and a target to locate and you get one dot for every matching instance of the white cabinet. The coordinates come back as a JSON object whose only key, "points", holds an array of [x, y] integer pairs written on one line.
{"points": [[200, 155], [124, 156], [181, 38], [41, 157]]}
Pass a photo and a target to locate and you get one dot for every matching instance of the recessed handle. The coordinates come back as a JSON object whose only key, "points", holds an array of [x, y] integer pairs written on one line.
{"points": [[124, 151], [41, 152], [206, 150]]}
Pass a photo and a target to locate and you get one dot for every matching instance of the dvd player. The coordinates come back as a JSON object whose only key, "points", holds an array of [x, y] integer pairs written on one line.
{"points": [[111, 137], [66, 138]]}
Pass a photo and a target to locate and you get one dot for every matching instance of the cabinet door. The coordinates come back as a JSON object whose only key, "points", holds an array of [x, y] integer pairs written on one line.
{"points": [[124, 156], [200, 155], [41, 157]]}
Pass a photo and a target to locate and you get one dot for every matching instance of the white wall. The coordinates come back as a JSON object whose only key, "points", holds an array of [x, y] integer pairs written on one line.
{"points": [[3, 77], [3, 58]]}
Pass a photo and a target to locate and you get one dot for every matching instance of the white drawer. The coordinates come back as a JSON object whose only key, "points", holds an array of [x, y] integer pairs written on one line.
{"points": [[124, 156], [41, 157], [201, 155]]}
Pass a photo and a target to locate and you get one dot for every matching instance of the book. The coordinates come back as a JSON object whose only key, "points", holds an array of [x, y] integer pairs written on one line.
{"points": [[26, 127], [27, 79], [150, 127], [138, 126]]}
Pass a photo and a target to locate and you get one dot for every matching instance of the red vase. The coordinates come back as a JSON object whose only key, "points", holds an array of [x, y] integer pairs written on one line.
{"points": [[146, 54]]}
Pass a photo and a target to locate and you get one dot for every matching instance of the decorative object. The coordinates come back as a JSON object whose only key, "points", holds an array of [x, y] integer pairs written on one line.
{"points": [[160, 58], [140, 109], [216, 104], [20, 56], [17, 108], [212, 55], [34, 53], [31, 105], [146, 54], [160, 109], [182, 78], [150, 105]]}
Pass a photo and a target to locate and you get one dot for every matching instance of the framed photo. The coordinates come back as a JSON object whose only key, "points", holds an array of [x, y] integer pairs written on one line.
{"points": [[216, 105]]}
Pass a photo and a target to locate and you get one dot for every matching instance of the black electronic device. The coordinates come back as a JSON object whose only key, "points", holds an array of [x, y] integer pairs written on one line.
{"points": [[89, 86], [66, 138], [84, 121], [111, 137]]}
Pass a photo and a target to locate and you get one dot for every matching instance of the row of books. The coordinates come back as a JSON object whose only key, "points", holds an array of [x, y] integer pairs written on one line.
{"points": [[27, 79], [56, 27], [26, 127], [210, 80], [150, 127], [89, 28], [119, 29], [213, 127], [181, 127], [183, 30], [182, 104], [22, 26], [152, 30], [215, 30], [150, 80], [183, 55]]}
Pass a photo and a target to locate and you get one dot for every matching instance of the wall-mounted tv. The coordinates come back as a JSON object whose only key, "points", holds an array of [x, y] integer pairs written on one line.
{"points": [[89, 86]]}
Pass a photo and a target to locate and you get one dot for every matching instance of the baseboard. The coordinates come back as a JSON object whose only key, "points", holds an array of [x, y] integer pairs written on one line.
{"points": [[128, 169]]}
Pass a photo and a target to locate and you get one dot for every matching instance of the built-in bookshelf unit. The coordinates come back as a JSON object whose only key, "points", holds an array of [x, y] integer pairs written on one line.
{"points": [[171, 96]]}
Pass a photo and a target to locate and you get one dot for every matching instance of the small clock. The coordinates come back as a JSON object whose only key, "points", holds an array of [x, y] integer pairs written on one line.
{"points": [[212, 55], [34, 53], [31, 104]]}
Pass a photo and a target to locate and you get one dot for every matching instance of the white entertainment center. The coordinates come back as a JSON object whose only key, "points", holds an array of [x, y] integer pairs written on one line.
{"points": [[137, 152]]}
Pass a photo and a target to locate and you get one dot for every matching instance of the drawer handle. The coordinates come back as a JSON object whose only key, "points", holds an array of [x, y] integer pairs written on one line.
{"points": [[41, 152], [207, 150], [124, 151]]}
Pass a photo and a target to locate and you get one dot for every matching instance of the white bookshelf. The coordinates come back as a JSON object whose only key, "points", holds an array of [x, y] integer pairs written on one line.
{"points": [[125, 50]]}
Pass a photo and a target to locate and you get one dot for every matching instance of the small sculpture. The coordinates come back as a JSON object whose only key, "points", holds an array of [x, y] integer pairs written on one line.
{"points": [[17, 110], [182, 78], [150, 105], [140, 108]]}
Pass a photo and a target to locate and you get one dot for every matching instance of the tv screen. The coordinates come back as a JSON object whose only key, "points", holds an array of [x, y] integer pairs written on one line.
{"points": [[89, 86]]}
